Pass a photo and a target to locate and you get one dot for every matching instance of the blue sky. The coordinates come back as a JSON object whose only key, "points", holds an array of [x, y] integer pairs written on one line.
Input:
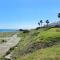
{"points": [[15, 14]]}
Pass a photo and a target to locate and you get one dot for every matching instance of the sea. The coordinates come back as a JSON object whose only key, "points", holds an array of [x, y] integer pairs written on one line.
{"points": [[8, 30]]}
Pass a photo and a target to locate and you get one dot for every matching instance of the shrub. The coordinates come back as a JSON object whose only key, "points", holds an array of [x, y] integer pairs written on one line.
{"points": [[26, 31], [56, 26], [37, 28]]}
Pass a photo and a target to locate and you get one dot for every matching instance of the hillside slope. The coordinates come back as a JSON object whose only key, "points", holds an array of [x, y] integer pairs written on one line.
{"points": [[34, 41], [51, 53]]}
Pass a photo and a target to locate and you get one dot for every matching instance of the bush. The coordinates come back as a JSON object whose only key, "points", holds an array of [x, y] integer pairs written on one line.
{"points": [[56, 26], [21, 30], [37, 28], [8, 52], [3, 41], [11, 48], [26, 31]]}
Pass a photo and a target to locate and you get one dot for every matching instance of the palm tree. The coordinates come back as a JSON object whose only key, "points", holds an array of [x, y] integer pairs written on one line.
{"points": [[41, 22], [58, 15], [47, 21]]}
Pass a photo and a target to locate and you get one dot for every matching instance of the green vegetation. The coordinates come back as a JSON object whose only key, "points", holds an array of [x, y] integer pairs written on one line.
{"points": [[47, 21], [51, 53], [2, 41], [58, 15], [38, 45], [40, 23]]}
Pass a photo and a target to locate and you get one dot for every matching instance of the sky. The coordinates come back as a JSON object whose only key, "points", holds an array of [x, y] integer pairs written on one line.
{"points": [[25, 14]]}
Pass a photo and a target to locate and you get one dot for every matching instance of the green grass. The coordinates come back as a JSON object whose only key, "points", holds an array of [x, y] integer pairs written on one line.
{"points": [[36, 40], [51, 53]]}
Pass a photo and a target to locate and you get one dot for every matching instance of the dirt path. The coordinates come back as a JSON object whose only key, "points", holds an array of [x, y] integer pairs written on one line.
{"points": [[4, 48]]}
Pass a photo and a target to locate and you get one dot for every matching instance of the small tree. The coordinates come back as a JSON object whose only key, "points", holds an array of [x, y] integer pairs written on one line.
{"points": [[47, 21], [41, 22]]}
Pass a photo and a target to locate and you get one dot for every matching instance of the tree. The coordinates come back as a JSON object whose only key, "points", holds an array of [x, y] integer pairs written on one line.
{"points": [[41, 22], [58, 15], [47, 21]]}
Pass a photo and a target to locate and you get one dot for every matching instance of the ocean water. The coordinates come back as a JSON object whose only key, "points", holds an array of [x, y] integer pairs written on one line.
{"points": [[7, 30]]}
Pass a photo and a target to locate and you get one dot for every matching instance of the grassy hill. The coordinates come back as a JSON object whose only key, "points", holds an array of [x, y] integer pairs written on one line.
{"points": [[41, 44], [50, 53]]}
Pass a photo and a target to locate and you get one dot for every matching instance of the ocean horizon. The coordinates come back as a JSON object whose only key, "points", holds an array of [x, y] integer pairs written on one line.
{"points": [[8, 30]]}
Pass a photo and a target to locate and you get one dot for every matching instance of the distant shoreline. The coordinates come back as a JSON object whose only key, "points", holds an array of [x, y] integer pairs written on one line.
{"points": [[8, 30]]}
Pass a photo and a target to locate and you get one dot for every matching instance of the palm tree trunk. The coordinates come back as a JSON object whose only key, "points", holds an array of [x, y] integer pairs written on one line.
{"points": [[47, 24], [41, 25]]}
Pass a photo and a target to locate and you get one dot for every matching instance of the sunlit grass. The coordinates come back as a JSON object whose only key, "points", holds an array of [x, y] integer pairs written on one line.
{"points": [[51, 53], [35, 40]]}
